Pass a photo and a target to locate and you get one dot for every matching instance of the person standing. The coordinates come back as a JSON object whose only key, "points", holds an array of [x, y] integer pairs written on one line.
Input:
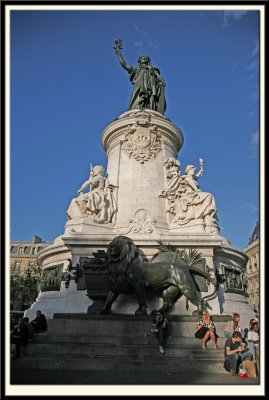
{"points": [[160, 329]]}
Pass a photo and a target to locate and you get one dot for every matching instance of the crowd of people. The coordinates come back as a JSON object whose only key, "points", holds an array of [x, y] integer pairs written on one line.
{"points": [[23, 332], [240, 345]]}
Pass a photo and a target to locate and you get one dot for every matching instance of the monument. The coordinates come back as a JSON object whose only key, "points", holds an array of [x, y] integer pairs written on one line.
{"points": [[143, 195]]}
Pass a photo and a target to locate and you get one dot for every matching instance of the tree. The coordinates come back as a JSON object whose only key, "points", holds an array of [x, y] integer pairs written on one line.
{"points": [[24, 286]]}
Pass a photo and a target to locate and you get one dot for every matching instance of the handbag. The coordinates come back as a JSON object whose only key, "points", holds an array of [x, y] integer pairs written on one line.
{"points": [[201, 332], [250, 367]]}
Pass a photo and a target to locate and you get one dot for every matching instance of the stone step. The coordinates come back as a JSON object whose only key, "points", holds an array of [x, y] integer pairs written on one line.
{"points": [[93, 350], [144, 338], [119, 327], [116, 343], [157, 363]]}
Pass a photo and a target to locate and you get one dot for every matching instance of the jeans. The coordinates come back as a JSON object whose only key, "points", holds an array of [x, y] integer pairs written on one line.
{"points": [[252, 349], [227, 334], [235, 359], [18, 341], [162, 334]]}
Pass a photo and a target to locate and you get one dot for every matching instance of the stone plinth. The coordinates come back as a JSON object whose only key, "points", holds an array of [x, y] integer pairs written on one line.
{"points": [[142, 198]]}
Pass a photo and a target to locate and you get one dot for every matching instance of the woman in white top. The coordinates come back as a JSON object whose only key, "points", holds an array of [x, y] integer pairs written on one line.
{"points": [[254, 339]]}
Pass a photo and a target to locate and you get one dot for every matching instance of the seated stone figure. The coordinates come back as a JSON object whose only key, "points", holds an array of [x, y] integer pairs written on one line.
{"points": [[186, 200], [98, 204]]}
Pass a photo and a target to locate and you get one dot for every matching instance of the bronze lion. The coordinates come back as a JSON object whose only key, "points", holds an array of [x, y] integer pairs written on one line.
{"points": [[130, 272]]}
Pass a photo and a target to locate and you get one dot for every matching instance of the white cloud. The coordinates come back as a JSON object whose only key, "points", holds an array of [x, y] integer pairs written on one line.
{"points": [[232, 15], [254, 95], [253, 66], [255, 51], [251, 113], [251, 208], [136, 28], [139, 45], [254, 137], [144, 41], [254, 144]]}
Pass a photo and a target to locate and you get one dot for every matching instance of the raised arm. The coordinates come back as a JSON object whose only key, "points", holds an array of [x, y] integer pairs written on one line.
{"points": [[122, 61], [84, 186], [201, 171]]}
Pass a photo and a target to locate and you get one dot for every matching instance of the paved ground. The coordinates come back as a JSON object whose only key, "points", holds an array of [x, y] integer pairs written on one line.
{"points": [[52, 377]]}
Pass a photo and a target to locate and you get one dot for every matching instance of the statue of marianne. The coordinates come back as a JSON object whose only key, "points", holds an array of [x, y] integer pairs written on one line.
{"points": [[149, 85]]}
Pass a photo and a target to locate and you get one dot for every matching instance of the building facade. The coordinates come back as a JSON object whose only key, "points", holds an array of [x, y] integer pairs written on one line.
{"points": [[252, 273]]}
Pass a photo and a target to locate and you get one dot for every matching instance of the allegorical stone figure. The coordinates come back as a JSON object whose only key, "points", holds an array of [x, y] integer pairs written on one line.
{"points": [[149, 85], [186, 200], [98, 203]]}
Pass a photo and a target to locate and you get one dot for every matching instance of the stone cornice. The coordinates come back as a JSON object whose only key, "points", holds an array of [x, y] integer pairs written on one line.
{"points": [[253, 246], [167, 129], [51, 250], [237, 255]]}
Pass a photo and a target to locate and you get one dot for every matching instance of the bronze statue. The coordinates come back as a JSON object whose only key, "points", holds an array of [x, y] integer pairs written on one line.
{"points": [[148, 90], [130, 272]]}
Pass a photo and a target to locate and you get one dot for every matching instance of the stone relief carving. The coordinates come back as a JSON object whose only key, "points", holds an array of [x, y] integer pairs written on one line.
{"points": [[142, 140], [233, 281], [142, 222], [99, 203], [51, 278], [186, 201]]}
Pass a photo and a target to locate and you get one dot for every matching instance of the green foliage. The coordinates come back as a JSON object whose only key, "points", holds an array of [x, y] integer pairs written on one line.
{"points": [[166, 246], [190, 256], [24, 286]]}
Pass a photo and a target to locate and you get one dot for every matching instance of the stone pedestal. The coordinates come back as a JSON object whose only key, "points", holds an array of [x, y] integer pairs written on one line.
{"points": [[137, 144]]}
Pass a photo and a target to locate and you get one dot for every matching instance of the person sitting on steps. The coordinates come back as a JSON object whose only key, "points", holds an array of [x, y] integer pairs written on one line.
{"points": [[160, 329], [39, 323], [205, 329], [234, 353], [20, 336]]}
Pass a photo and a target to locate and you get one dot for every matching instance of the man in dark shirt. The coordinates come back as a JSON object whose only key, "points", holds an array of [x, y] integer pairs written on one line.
{"points": [[234, 353], [20, 336], [39, 323], [160, 328]]}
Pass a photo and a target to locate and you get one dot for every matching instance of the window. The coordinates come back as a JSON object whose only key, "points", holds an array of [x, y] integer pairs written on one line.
{"points": [[27, 250], [14, 249]]}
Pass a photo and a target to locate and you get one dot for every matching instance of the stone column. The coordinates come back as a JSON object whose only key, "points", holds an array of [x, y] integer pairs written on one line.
{"points": [[136, 145]]}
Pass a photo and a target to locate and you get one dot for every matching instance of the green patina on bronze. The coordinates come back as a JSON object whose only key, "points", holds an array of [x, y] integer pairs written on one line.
{"points": [[148, 84], [166, 274]]}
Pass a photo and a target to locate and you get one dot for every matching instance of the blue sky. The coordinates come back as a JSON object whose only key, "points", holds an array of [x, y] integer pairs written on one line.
{"points": [[67, 86]]}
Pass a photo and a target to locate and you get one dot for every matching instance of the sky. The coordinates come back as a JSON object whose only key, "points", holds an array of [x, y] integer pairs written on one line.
{"points": [[66, 86]]}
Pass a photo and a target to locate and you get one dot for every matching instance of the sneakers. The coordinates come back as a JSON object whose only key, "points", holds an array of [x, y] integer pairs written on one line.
{"points": [[233, 373], [161, 349]]}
